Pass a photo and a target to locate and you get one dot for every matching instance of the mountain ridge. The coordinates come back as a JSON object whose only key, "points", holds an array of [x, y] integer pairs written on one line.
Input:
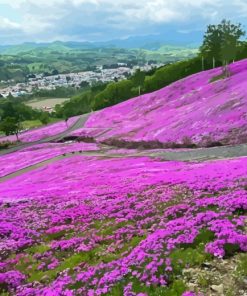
{"points": [[150, 42]]}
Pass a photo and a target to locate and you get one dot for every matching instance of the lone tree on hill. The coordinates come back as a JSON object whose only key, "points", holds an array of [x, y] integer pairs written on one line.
{"points": [[10, 126], [220, 43]]}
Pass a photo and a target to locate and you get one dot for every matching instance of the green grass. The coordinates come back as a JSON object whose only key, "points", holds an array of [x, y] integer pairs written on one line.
{"points": [[189, 257], [218, 77], [30, 124], [184, 256], [92, 257], [175, 289], [68, 263], [54, 236], [181, 258], [37, 249], [128, 246], [242, 266], [4, 294], [29, 265]]}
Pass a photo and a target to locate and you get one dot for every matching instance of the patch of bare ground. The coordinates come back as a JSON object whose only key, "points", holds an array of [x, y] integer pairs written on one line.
{"points": [[223, 277]]}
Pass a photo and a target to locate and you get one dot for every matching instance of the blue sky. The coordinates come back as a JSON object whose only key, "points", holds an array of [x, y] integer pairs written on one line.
{"points": [[100, 20]]}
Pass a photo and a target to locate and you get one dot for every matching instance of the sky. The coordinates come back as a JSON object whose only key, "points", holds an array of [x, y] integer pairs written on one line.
{"points": [[101, 20]]}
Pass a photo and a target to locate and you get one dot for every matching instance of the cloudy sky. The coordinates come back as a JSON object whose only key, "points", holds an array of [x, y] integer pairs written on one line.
{"points": [[100, 20]]}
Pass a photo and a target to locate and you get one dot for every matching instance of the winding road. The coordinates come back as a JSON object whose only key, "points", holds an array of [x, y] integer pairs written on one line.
{"points": [[78, 124], [199, 154], [203, 154]]}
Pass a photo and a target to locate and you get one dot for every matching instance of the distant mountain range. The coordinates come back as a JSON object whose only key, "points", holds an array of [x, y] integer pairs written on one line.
{"points": [[150, 42]]}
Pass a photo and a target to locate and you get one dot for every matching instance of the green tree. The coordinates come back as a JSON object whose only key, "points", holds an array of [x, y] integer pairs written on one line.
{"points": [[221, 41], [138, 79], [84, 84], [44, 117], [10, 126], [114, 93], [230, 42]]}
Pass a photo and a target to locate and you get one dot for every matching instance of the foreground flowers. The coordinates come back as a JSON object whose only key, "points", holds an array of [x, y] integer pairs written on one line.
{"points": [[129, 226]]}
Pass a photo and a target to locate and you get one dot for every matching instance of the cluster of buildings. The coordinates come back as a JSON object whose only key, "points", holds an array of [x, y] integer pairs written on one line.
{"points": [[41, 82]]}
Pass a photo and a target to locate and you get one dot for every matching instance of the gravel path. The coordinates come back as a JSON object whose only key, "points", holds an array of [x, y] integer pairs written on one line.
{"points": [[53, 159], [205, 153], [202, 154]]}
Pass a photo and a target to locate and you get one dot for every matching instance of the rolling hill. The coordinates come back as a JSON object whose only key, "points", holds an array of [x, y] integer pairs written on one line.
{"points": [[204, 109], [18, 61], [150, 42]]}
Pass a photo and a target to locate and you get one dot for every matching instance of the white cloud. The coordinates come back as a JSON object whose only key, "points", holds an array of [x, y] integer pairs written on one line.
{"points": [[6, 24], [64, 18]]}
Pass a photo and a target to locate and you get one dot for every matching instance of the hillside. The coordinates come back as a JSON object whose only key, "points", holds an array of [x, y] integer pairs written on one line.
{"points": [[86, 219], [192, 111], [121, 226]]}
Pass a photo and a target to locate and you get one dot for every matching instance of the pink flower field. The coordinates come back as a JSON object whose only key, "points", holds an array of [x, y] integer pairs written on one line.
{"points": [[43, 132], [26, 157], [128, 226], [192, 110], [113, 222]]}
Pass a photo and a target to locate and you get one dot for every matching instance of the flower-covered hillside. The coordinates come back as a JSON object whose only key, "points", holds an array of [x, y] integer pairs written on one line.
{"points": [[13, 162], [131, 226], [204, 108], [42, 132]]}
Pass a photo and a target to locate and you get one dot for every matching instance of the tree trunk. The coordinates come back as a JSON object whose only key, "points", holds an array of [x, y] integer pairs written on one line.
{"points": [[213, 62], [224, 65], [17, 137], [139, 90], [227, 69], [203, 64]]}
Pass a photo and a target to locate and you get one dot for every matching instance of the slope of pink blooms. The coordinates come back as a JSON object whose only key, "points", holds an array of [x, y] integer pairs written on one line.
{"points": [[85, 226], [13, 162], [192, 109], [119, 226], [43, 132]]}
